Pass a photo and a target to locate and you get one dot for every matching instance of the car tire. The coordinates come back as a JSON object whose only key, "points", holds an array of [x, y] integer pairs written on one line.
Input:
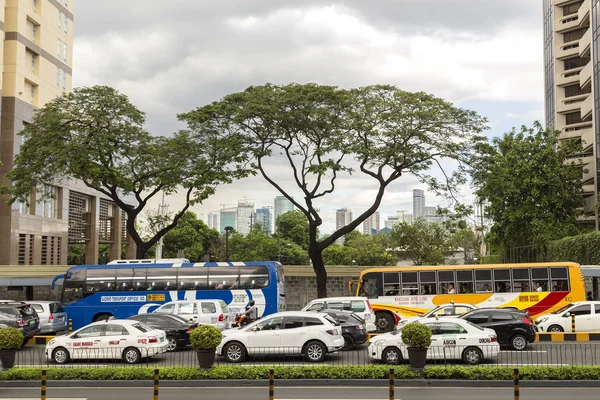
{"points": [[472, 356], [24, 342], [518, 342], [171, 343], [315, 351], [131, 355], [555, 328], [60, 355], [348, 341], [234, 352], [392, 356], [101, 317], [384, 322]]}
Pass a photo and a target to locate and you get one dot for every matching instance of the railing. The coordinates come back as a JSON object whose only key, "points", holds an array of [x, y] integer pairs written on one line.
{"points": [[537, 354]]}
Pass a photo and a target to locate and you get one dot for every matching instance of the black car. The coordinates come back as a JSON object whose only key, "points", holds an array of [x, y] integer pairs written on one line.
{"points": [[513, 327], [22, 316], [354, 330], [178, 329]]}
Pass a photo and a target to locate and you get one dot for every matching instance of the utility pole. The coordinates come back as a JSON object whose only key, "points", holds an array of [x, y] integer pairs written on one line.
{"points": [[159, 245]]}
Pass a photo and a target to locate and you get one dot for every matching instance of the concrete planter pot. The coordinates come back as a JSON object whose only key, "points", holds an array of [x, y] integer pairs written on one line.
{"points": [[417, 357], [206, 358]]}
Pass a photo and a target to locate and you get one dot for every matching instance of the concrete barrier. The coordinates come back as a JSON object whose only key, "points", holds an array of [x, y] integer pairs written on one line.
{"points": [[40, 340], [567, 337]]}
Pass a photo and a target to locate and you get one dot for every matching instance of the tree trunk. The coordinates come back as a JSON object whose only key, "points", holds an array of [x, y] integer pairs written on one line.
{"points": [[316, 256], [140, 251]]}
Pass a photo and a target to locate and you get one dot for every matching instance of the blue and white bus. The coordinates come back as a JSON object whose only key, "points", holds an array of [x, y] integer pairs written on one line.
{"points": [[96, 292]]}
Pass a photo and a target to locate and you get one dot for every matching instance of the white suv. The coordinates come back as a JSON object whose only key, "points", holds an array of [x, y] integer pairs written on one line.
{"points": [[587, 318], [358, 305], [205, 312], [292, 332]]}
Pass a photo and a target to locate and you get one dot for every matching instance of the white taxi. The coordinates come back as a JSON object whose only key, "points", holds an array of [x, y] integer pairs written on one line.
{"points": [[443, 310], [453, 338], [112, 339]]}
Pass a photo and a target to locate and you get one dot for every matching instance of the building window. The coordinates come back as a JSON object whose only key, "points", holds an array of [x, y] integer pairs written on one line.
{"points": [[34, 33], [58, 48], [576, 62], [59, 21], [573, 118], [66, 25], [49, 207], [32, 62], [35, 6], [65, 50], [571, 9], [66, 3], [57, 78], [575, 90], [32, 94], [574, 35], [64, 81]]}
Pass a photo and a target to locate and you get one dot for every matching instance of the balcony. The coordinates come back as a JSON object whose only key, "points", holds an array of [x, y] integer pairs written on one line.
{"points": [[571, 104], [585, 76], [581, 130], [589, 176], [563, 24], [587, 106], [584, 12], [567, 50], [569, 76], [585, 43], [562, 2]]}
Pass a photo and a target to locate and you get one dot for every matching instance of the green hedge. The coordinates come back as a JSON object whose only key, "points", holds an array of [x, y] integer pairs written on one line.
{"points": [[319, 372], [582, 249]]}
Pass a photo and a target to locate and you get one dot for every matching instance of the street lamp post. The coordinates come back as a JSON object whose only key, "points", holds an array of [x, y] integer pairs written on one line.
{"points": [[227, 230]]}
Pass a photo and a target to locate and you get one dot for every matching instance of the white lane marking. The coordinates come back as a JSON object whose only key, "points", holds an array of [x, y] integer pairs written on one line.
{"points": [[526, 365], [47, 398], [523, 351], [61, 366]]}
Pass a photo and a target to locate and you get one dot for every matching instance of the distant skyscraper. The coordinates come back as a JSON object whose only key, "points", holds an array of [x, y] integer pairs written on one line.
{"points": [[282, 205], [343, 217], [418, 203], [371, 224], [262, 216], [245, 215], [213, 220], [391, 221], [227, 217]]}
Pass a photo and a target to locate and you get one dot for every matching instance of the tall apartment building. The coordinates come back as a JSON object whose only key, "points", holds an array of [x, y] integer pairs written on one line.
{"points": [[343, 217], [213, 220], [282, 205], [227, 217], [36, 59], [418, 203], [371, 224], [244, 216], [572, 84], [262, 216]]}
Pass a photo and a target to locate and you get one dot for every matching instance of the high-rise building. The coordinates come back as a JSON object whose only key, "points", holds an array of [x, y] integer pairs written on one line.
{"points": [[282, 205], [227, 217], [213, 220], [244, 217], [371, 224], [36, 59], [262, 216], [391, 221], [343, 217], [572, 85], [431, 215], [418, 203]]}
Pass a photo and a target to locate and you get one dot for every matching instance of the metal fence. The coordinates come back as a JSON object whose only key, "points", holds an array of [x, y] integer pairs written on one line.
{"points": [[538, 354]]}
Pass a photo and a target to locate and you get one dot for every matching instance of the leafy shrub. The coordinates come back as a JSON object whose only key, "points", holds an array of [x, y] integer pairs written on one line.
{"points": [[205, 337], [415, 334], [10, 338]]}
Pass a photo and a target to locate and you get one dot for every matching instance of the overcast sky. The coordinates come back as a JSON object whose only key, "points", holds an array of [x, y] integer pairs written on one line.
{"points": [[170, 57]]}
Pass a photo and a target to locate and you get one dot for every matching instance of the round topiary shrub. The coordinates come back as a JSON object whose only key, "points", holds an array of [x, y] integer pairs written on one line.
{"points": [[10, 338], [417, 335], [205, 337]]}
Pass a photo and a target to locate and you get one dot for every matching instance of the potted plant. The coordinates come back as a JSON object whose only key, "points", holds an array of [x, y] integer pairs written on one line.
{"points": [[10, 340], [417, 338], [204, 340]]}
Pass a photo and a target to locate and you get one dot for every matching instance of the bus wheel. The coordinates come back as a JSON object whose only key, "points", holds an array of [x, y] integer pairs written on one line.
{"points": [[384, 322], [102, 317]]}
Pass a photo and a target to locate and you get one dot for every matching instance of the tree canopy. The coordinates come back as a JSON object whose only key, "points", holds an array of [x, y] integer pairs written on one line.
{"points": [[293, 226], [531, 182], [322, 132], [424, 242], [96, 135]]}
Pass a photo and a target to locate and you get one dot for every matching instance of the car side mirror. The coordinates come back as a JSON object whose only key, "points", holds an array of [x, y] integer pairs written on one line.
{"points": [[567, 314], [255, 329]]}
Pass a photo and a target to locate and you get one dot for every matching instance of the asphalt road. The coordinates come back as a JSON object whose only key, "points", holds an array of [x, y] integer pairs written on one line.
{"points": [[537, 354], [227, 393]]}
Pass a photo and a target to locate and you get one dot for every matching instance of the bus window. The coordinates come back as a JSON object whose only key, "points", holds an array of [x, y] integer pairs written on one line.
{"points": [[445, 278], [428, 285], [254, 277], [410, 287], [161, 279], [391, 283], [194, 278], [73, 286], [560, 279], [540, 275], [131, 279], [223, 277], [502, 280], [100, 280], [465, 281], [483, 280], [521, 281], [371, 285]]}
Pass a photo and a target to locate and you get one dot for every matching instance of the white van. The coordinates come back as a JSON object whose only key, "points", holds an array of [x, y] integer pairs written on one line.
{"points": [[204, 312], [587, 318], [360, 305]]}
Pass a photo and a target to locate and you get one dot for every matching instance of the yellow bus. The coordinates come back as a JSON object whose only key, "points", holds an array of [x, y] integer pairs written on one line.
{"points": [[538, 288]]}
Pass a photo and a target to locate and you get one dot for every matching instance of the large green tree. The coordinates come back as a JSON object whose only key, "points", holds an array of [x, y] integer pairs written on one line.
{"points": [[359, 249], [320, 132], [192, 236], [424, 242], [531, 182], [95, 134], [258, 245], [293, 226]]}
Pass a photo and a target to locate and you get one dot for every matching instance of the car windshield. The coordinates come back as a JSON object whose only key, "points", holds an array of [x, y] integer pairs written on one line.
{"points": [[562, 309], [473, 325], [10, 311], [142, 327], [333, 321], [357, 318], [56, 308]]}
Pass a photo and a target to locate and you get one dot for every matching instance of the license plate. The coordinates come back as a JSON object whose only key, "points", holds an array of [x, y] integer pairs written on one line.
{"points": [[162, 339], [32, 323]]}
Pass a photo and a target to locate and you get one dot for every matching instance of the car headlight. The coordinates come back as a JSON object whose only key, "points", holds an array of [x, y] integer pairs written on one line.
{"points": [[379, 342], [50, 343], [542, 320]]}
